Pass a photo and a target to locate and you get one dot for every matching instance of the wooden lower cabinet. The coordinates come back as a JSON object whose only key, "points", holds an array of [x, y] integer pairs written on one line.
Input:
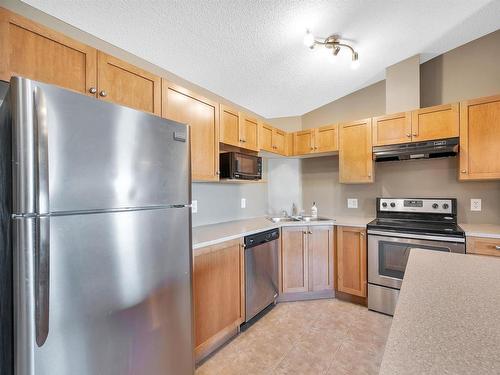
{"points": [[479, 135], [202, 116], [351, 261], [307, 259], [218, 294], [483, 246]]}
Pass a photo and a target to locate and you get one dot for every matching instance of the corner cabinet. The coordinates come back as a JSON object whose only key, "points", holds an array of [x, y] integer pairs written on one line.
{"points": [[355, 152], [218, 295], [272, 139], [33, 51], [307, 259], [479, 135], [202, 116], [317, 140], [351, 261], [303, 142]]}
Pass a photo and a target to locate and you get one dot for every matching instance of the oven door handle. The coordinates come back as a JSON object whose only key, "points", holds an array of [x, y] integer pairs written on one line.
{"points": [[417, 236]]}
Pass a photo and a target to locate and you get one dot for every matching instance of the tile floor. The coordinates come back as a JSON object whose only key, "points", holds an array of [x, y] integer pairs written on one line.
{"points": [[310, 337]]}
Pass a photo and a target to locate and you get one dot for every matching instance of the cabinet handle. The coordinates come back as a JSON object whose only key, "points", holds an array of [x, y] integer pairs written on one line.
{"points": [[92, 90], [103, 93], [464, 171], [497, 247], [217, 173]]}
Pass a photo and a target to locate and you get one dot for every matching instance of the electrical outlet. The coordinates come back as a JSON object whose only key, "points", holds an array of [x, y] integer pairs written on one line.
{"points": [[475, 204], [243, 203], [194, 207], [352, 203]]}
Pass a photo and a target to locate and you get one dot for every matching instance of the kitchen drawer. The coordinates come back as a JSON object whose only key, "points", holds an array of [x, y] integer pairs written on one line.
{"points": [[483, 246]]}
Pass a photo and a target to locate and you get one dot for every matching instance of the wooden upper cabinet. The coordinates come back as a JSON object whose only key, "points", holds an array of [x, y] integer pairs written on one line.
{"points": [[229, 126], [303, 142], [202, 115], [355, 152], [326, 139], [437, 122], [33, 51], [279, 141], [126, 84], [294, 259], [351, 260], [266, 137], [320, 252], [249, 133], [479, 135], [392, 129]]}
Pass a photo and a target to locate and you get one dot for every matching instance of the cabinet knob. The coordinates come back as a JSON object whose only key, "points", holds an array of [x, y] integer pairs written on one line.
{"points": [[312, 148], [369, 174], [315, 147], [497, 247], [408, 135], [362, 234], [415, 134], [463, 171], [309, 232], [103, 93], [92, 90], [217, 173]]}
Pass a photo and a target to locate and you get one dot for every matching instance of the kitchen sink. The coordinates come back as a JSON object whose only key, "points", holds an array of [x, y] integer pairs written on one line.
{"points": [[288, 219]]}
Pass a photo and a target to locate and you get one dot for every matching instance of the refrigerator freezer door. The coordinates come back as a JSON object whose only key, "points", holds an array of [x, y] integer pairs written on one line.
{"points": [[95, 155], [120, 295]]}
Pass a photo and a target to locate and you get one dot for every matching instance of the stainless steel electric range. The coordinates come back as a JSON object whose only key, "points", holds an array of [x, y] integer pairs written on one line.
{"points": [[403, 224]]}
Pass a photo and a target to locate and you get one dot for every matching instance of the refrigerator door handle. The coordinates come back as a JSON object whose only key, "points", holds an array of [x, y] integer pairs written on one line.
{"points": [[42, 154], [42, 278]]}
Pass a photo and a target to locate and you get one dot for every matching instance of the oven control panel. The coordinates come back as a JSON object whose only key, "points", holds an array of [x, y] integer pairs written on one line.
{"points": [[426, 205]]}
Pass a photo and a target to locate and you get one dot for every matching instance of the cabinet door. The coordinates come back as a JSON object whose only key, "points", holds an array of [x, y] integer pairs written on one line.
{"points": [[229, 126], [279, 141], [218, 292], [437, 122], [266, 137], [355, 152], [294, 259], [483, 246], [351, 260], [126, 84], [303, 142], [392, 129], [34, 51], [479, 135], [249, 129], [202, 115], [326, 139], [320, 246]]}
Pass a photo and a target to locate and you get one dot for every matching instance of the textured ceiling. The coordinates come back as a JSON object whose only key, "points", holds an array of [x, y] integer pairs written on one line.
{"points": [[251, 52]]}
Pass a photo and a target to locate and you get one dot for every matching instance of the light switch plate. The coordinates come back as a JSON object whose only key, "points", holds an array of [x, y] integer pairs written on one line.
{"points": [[352, 203], [243, 203], [475, 204], [194, 207]]}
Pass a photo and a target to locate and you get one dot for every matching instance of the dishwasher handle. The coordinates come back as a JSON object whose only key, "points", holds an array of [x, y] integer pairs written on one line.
{"points": [[261, 238]]}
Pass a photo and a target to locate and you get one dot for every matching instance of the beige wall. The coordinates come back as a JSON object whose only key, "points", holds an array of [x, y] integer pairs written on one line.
{"points": [[416, 178], [366, 102], [289, 124], [469, 71], [402, 85], [472, 70]]}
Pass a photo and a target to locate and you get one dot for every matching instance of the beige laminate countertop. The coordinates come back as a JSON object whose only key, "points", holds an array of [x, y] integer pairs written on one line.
{"points": [[446, 319], [481, 230], [212, 234]]}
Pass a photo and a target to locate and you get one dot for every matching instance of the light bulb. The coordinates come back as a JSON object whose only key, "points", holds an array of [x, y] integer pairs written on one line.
{"points": [[309, 39], [355, 61]]}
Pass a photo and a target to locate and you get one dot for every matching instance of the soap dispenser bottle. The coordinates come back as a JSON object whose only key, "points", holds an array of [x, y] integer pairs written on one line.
{"points": [[314, 210]]}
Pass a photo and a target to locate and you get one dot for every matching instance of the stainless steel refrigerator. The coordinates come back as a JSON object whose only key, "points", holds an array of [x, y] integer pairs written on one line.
{"points": [[95, 237]]}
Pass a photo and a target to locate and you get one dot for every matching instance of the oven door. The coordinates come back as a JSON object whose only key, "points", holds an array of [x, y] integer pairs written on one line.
{"points": [[246, 166], [388, 254]]}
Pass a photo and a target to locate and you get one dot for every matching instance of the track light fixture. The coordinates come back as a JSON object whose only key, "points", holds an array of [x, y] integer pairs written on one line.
{"points": [[334, 43]]}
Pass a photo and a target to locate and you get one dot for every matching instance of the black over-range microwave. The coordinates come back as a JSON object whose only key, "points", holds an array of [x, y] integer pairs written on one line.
{"points": [[240, 166]]}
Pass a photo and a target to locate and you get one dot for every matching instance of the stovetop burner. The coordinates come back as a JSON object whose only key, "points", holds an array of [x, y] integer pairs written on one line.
{"points": [[433, 216]]}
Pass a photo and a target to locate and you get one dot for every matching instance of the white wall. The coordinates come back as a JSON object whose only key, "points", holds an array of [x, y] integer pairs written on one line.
{"points": [[284, 185]]}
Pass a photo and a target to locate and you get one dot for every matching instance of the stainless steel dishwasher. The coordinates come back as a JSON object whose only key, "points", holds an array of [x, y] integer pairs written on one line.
{"points": [[261, 271]]}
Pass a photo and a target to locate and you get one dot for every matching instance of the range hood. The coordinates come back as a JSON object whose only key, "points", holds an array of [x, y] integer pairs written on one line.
{"points": [[417, 150]]}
